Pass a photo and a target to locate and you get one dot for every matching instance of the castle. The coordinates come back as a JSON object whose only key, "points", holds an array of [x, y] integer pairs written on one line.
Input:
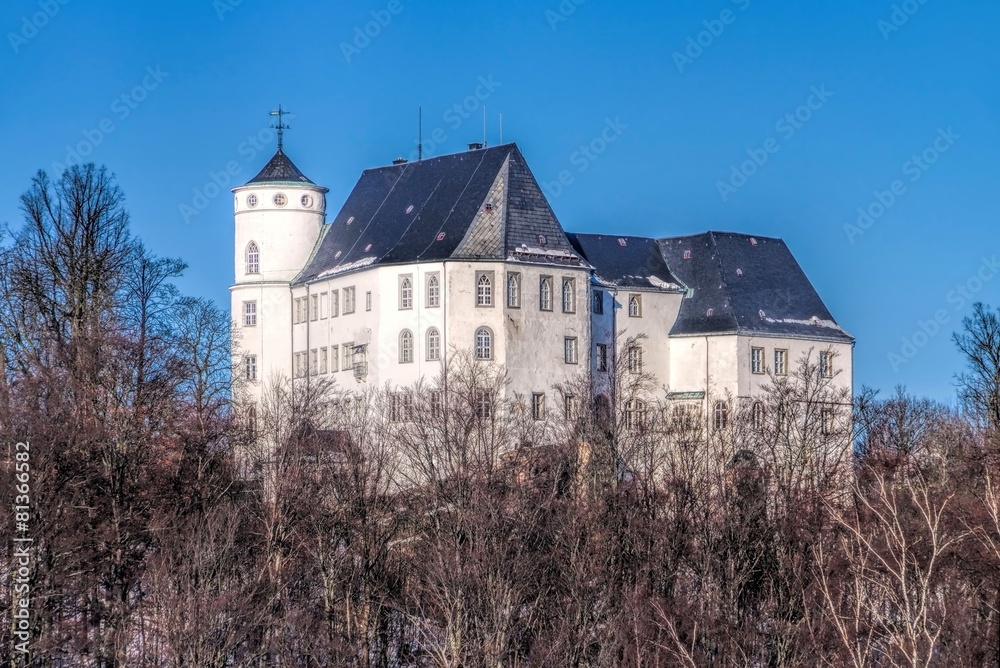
{"points": [[463, 252]]}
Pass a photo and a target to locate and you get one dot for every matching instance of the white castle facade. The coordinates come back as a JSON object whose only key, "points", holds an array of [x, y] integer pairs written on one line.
{"points": [[463, 253]]}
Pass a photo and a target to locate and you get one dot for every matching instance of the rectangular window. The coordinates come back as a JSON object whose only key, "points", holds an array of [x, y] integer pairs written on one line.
{"points": [[568, 295], [635, 415], [513, 290], [569, 407], [323, 301], [602, 357], [538, 406], [484, 406], [335, 303], [569, 349], [298, 365], [250, 364], [359, 359], [322, 360], [598, 302], [313, 362], [826, 364], [545, 293], [249, 314], [335, 358], [780, 362], [635, 359], [401, 409], [368, 300], [348, 300], [757, 360], [348, 355], [314, 307], [435, 401], [829, 421]]}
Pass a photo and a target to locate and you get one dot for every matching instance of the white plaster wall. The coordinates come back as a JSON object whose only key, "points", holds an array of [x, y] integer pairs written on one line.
{"points": [[751, 384]]}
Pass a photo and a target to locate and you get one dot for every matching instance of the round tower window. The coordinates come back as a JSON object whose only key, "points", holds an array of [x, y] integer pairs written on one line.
{"points": [[251, 201], [307, 201], [280, 200]]}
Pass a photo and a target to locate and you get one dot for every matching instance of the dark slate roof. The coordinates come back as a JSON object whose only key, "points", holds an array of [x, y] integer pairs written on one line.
{"points": [[280, 170], [482, 204], [753, 285], [634, 262]]}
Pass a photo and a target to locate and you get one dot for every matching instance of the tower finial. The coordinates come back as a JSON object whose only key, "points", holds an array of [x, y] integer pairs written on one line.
{"points": [[280, 126]]}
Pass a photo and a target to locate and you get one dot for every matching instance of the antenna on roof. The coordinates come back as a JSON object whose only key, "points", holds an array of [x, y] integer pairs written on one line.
{"points": [[420, 133], [485, 142], [280, 127]]}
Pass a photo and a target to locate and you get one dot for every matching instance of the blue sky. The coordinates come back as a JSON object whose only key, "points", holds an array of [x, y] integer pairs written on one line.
{"points": [[894, 111]]}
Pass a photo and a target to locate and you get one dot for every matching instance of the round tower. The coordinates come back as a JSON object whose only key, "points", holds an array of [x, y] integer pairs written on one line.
{"points": [[279, 215]]}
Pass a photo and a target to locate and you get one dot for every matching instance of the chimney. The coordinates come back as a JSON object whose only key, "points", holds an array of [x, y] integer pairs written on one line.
{"points": [[475, 146], [400, 161]]}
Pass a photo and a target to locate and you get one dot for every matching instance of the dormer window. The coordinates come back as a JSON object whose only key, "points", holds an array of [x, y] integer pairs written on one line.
{"points": [[687, 255]]}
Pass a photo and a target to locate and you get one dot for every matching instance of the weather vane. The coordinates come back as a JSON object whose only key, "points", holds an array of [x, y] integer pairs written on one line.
{"points": [[280, 127]]}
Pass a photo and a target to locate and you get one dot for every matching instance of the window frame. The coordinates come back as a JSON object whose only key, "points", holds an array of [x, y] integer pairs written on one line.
{"points": [[485, 298], [826, 364], [433, 349], [602, 357], [537, 406], [350, 300], [782, 368], [252, 259], [571, 350], [514, 296], [720, 415], [635, 360], [545, 287], [757, 366], [597, 302], [406, 347], [250, 313], [250, 368], [433, 287], [406, 292], [635, 298], [568, 282], [334, 303], [489, 344]]}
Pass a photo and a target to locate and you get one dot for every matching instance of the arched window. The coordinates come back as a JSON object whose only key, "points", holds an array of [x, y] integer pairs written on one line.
{"points": [[433, 291], [634, 307], [721, 420], [484, 344], [568, 296], [253, 258], [484, 291], [406, 293], [513, 291], [433, 345], [545, 294], [757, 415], [405, 347]]}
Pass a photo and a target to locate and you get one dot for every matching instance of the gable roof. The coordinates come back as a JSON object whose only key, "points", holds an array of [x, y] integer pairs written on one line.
{"points": [[753, 285], [480, 204], [280, 169], [634, 262]]}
